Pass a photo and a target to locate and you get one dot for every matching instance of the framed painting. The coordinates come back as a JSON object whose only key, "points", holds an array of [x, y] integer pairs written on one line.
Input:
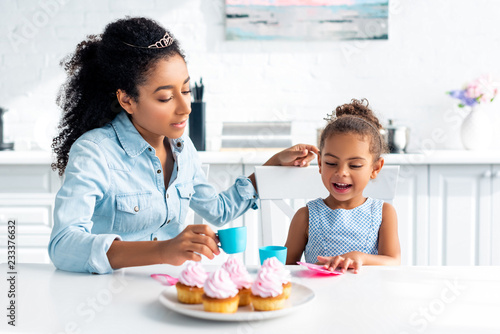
{"points": [[306, 19]]}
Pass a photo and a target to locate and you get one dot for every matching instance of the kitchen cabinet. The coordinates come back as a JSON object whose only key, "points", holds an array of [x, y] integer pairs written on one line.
{"points": [[412, 207], [495, 227], [464, 216], [27, 194]]}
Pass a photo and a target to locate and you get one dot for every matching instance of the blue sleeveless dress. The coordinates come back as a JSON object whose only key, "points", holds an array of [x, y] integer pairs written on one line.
{"points": [[339, 231]]}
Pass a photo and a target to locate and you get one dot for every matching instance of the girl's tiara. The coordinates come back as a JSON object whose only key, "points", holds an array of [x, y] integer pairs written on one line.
{"points": [[164, 42], [331, 117]]}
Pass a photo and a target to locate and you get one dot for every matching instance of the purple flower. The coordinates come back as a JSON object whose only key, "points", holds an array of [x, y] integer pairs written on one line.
{"points": [[464, 99]]}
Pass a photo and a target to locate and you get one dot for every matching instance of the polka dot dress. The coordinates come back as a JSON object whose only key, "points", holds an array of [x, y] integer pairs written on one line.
{"points": [[339, 231]]}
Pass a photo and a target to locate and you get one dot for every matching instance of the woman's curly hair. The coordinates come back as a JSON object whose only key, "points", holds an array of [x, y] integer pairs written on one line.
{"points": [[356, 117], [100, 66]]}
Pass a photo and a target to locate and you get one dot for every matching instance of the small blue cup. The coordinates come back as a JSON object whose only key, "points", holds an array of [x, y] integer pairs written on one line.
{"points": [[272, 251], [233, 240]]}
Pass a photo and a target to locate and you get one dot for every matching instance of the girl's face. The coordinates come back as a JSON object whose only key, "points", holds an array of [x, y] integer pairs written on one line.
{"points": [[346, 165], [164, 103]]}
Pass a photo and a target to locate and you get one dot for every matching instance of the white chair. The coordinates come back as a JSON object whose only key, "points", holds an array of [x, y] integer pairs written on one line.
{"points": [[275, 184]]}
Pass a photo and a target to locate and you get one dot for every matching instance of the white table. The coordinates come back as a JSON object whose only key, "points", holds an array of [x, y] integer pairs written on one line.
{"points": [[378, 300]]}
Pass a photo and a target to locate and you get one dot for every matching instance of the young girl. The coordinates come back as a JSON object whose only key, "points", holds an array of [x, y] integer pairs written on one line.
{"points": [[130, 171], [347, 230]]}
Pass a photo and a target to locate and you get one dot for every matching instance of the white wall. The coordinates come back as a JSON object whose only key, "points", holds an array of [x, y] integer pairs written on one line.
{"points": [[433, 46]]}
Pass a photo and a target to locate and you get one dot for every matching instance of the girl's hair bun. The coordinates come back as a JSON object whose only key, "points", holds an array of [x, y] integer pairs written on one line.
{"points": [[359, 108]]}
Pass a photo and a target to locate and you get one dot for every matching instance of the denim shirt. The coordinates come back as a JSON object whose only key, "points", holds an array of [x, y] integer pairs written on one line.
{"points": [[114, 190]]}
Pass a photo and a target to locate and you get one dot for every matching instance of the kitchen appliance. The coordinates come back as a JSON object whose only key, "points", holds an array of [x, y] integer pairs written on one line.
{"points": [[396, 137], [4, 146], [197, 131], [256, 135]]}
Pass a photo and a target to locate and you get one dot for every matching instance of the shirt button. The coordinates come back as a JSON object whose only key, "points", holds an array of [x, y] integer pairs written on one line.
{"points": [[158, 171], [167, 195], [136, 209], [149, 148], [155, 238], [179, 144], [168, 221]]}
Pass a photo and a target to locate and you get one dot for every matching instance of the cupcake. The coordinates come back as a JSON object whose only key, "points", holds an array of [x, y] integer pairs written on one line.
{"points": [[221, 294], [275, 265], [239, 275], [190, 284], [267, 291]]}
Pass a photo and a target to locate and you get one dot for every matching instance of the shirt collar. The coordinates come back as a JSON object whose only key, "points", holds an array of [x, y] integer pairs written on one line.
{"points": [[132, 141]]}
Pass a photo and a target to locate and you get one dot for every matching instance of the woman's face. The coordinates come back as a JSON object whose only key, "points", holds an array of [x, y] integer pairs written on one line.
{"points": [[346, 165], [164, 103]]}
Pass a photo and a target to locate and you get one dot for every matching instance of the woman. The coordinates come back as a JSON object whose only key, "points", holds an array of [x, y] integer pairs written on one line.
{"points": [[130, 171]]}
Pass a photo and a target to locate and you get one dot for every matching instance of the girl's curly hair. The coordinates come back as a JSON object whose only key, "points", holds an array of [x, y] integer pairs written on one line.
{"points": [[100, 66], [356, 117]]}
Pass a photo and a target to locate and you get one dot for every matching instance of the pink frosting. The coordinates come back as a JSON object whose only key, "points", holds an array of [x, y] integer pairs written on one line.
{"points": [[275, 265], [219, 285], [238, 273], [193, 275], [267, 284]]}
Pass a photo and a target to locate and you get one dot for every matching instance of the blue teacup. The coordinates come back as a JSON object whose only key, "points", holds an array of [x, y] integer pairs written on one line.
{"points": [[272, 251], [233, 240]]}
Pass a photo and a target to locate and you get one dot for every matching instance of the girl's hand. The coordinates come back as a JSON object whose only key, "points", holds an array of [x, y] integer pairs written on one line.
{"points": [[351, 260], [298, 155], [185, 246]]}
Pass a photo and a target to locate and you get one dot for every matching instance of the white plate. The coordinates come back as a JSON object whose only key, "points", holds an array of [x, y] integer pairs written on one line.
{"points": [[300, 296]]}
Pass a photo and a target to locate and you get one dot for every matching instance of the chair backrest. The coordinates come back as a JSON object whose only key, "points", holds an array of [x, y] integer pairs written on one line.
{"points": [[197, 218], [275, 184]]}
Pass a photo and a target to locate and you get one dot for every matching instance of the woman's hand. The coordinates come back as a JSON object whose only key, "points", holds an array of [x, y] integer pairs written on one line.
{"points": [[297, 155], [189, 244], [351, 260]]}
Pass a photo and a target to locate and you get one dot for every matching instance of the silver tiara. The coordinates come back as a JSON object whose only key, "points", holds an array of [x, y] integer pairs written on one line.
{"points": [[164, 42], [331, 117]]}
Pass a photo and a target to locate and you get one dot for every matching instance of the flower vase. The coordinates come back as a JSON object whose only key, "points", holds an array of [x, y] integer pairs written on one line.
{"points": [[476, 131]]}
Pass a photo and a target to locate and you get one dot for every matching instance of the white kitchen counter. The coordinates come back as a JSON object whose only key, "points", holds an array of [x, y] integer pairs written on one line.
{"points": [[256, 157]]}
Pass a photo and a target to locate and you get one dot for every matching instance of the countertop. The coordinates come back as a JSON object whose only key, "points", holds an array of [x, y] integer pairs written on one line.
{"points": [[377, 300], [257, 157]]}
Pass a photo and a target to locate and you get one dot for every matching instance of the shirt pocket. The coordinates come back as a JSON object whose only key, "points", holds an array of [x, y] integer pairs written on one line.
{"points": [[133, 212], [185, 192]]}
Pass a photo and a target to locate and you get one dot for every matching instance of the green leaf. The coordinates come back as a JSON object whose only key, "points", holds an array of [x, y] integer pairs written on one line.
{"points": [[461, 105]]}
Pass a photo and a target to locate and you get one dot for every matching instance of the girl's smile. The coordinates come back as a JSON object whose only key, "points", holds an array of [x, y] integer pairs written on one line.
{"points": [[341, 188]]}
